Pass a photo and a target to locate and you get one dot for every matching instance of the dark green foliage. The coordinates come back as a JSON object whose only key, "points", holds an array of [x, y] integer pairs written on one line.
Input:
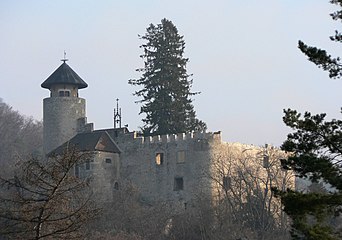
{"points": [[320, 57], [316, 147], [166, 85]]}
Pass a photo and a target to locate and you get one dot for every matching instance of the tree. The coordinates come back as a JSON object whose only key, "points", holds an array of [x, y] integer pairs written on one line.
{"points": [[316, 147], [44, 200], [130, 215], [245, 206], [320, 57], [166, 85], [20, 136]]}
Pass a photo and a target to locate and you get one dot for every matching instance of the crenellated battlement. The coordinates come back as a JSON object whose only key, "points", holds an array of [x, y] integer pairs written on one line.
{"points": [[169, 138]]}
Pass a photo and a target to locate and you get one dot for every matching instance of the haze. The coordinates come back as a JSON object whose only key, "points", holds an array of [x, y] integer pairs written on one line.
{"points": [[243, 55]]}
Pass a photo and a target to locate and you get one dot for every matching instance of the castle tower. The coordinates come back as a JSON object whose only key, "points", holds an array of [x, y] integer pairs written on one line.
{"points": [[63, 110]]}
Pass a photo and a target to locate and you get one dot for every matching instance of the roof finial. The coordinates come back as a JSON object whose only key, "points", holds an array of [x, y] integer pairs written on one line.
{"points": [[64, 59], [117, 114]]}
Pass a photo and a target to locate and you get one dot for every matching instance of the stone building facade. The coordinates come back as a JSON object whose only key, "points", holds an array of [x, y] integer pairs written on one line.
{"points": [[176, 169]]}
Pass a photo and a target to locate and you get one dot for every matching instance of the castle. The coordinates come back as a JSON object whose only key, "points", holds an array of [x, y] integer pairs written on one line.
{"points": [[175, 168]]}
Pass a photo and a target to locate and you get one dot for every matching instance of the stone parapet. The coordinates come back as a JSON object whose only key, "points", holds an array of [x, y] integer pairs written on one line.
{"points": [[133, 138]]}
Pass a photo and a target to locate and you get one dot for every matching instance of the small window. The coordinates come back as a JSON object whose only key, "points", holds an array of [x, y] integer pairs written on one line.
{"points": [[77, 170], [108, 160], [178, 184], [226, 181], [266, 162], [159, 158], [63, 93], [87, 165], [180, 156], [116, 186]]}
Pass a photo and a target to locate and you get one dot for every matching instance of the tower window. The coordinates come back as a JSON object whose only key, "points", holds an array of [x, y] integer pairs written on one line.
{"points": [[159, 158], [63, 93], [178, 184], [108, 160]]}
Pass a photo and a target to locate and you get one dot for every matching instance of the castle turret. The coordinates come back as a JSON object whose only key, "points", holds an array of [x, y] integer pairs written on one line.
{"points": [[63, 110]]}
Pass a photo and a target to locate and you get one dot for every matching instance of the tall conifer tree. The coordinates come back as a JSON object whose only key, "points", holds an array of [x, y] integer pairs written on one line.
{"points": [[316, 147], [166, 94]]}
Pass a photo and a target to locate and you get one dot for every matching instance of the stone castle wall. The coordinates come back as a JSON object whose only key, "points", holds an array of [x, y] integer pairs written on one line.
{"points": [[180, 169], [60, 120], [168, 168], [103, 170]]}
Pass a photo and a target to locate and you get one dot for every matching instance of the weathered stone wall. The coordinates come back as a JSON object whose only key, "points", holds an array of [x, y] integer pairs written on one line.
{"points": [[54, 90], [60, 116], [104, 171], [177, 177], [244, 175]]}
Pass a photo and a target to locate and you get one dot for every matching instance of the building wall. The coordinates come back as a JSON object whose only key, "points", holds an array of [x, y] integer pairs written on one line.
{"points": [[54, 90], [60, 115], [202, 161], [104, 172], [179, 177]]}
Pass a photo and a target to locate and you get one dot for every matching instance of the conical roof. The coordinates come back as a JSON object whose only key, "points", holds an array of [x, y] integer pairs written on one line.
{"points": [[64, 75]]}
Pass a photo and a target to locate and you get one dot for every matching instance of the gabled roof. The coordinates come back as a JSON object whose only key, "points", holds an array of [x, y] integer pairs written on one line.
{"points": [[64, 75], [89, 142]]}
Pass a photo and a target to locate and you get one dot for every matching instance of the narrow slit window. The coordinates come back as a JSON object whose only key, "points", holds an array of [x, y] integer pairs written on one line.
{"points": [[226, 182], [77, 170], [266, 161], [87, 165], [159, 158]]}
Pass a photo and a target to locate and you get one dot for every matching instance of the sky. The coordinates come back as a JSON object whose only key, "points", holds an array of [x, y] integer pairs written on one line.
{"points": [[243, 56]]}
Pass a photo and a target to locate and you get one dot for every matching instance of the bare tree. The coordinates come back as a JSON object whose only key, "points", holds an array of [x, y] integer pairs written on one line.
{"points": [[20, 136], [44, 200], [130, 215], [242, 180]]}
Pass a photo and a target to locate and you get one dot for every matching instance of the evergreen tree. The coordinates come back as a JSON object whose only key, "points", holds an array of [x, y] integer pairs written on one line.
{"points": [[316, 147], [166, 95]]}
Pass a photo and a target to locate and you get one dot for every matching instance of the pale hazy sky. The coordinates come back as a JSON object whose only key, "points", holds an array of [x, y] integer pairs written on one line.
{"points": [[243, 54]]}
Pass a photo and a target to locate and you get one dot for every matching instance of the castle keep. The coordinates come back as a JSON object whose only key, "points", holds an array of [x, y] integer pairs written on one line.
{"points": [[175, 169]]}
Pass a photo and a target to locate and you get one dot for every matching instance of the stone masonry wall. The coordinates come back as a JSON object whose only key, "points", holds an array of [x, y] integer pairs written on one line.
{"points": [[60, 120], [168, 168], [104, 171]]}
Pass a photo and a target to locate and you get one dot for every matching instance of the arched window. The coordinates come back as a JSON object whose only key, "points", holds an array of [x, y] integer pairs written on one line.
{"points": [[116, 186]]}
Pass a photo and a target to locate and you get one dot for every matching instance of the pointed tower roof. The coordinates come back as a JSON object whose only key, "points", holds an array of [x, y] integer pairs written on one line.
{"points": [[64, 75]]}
